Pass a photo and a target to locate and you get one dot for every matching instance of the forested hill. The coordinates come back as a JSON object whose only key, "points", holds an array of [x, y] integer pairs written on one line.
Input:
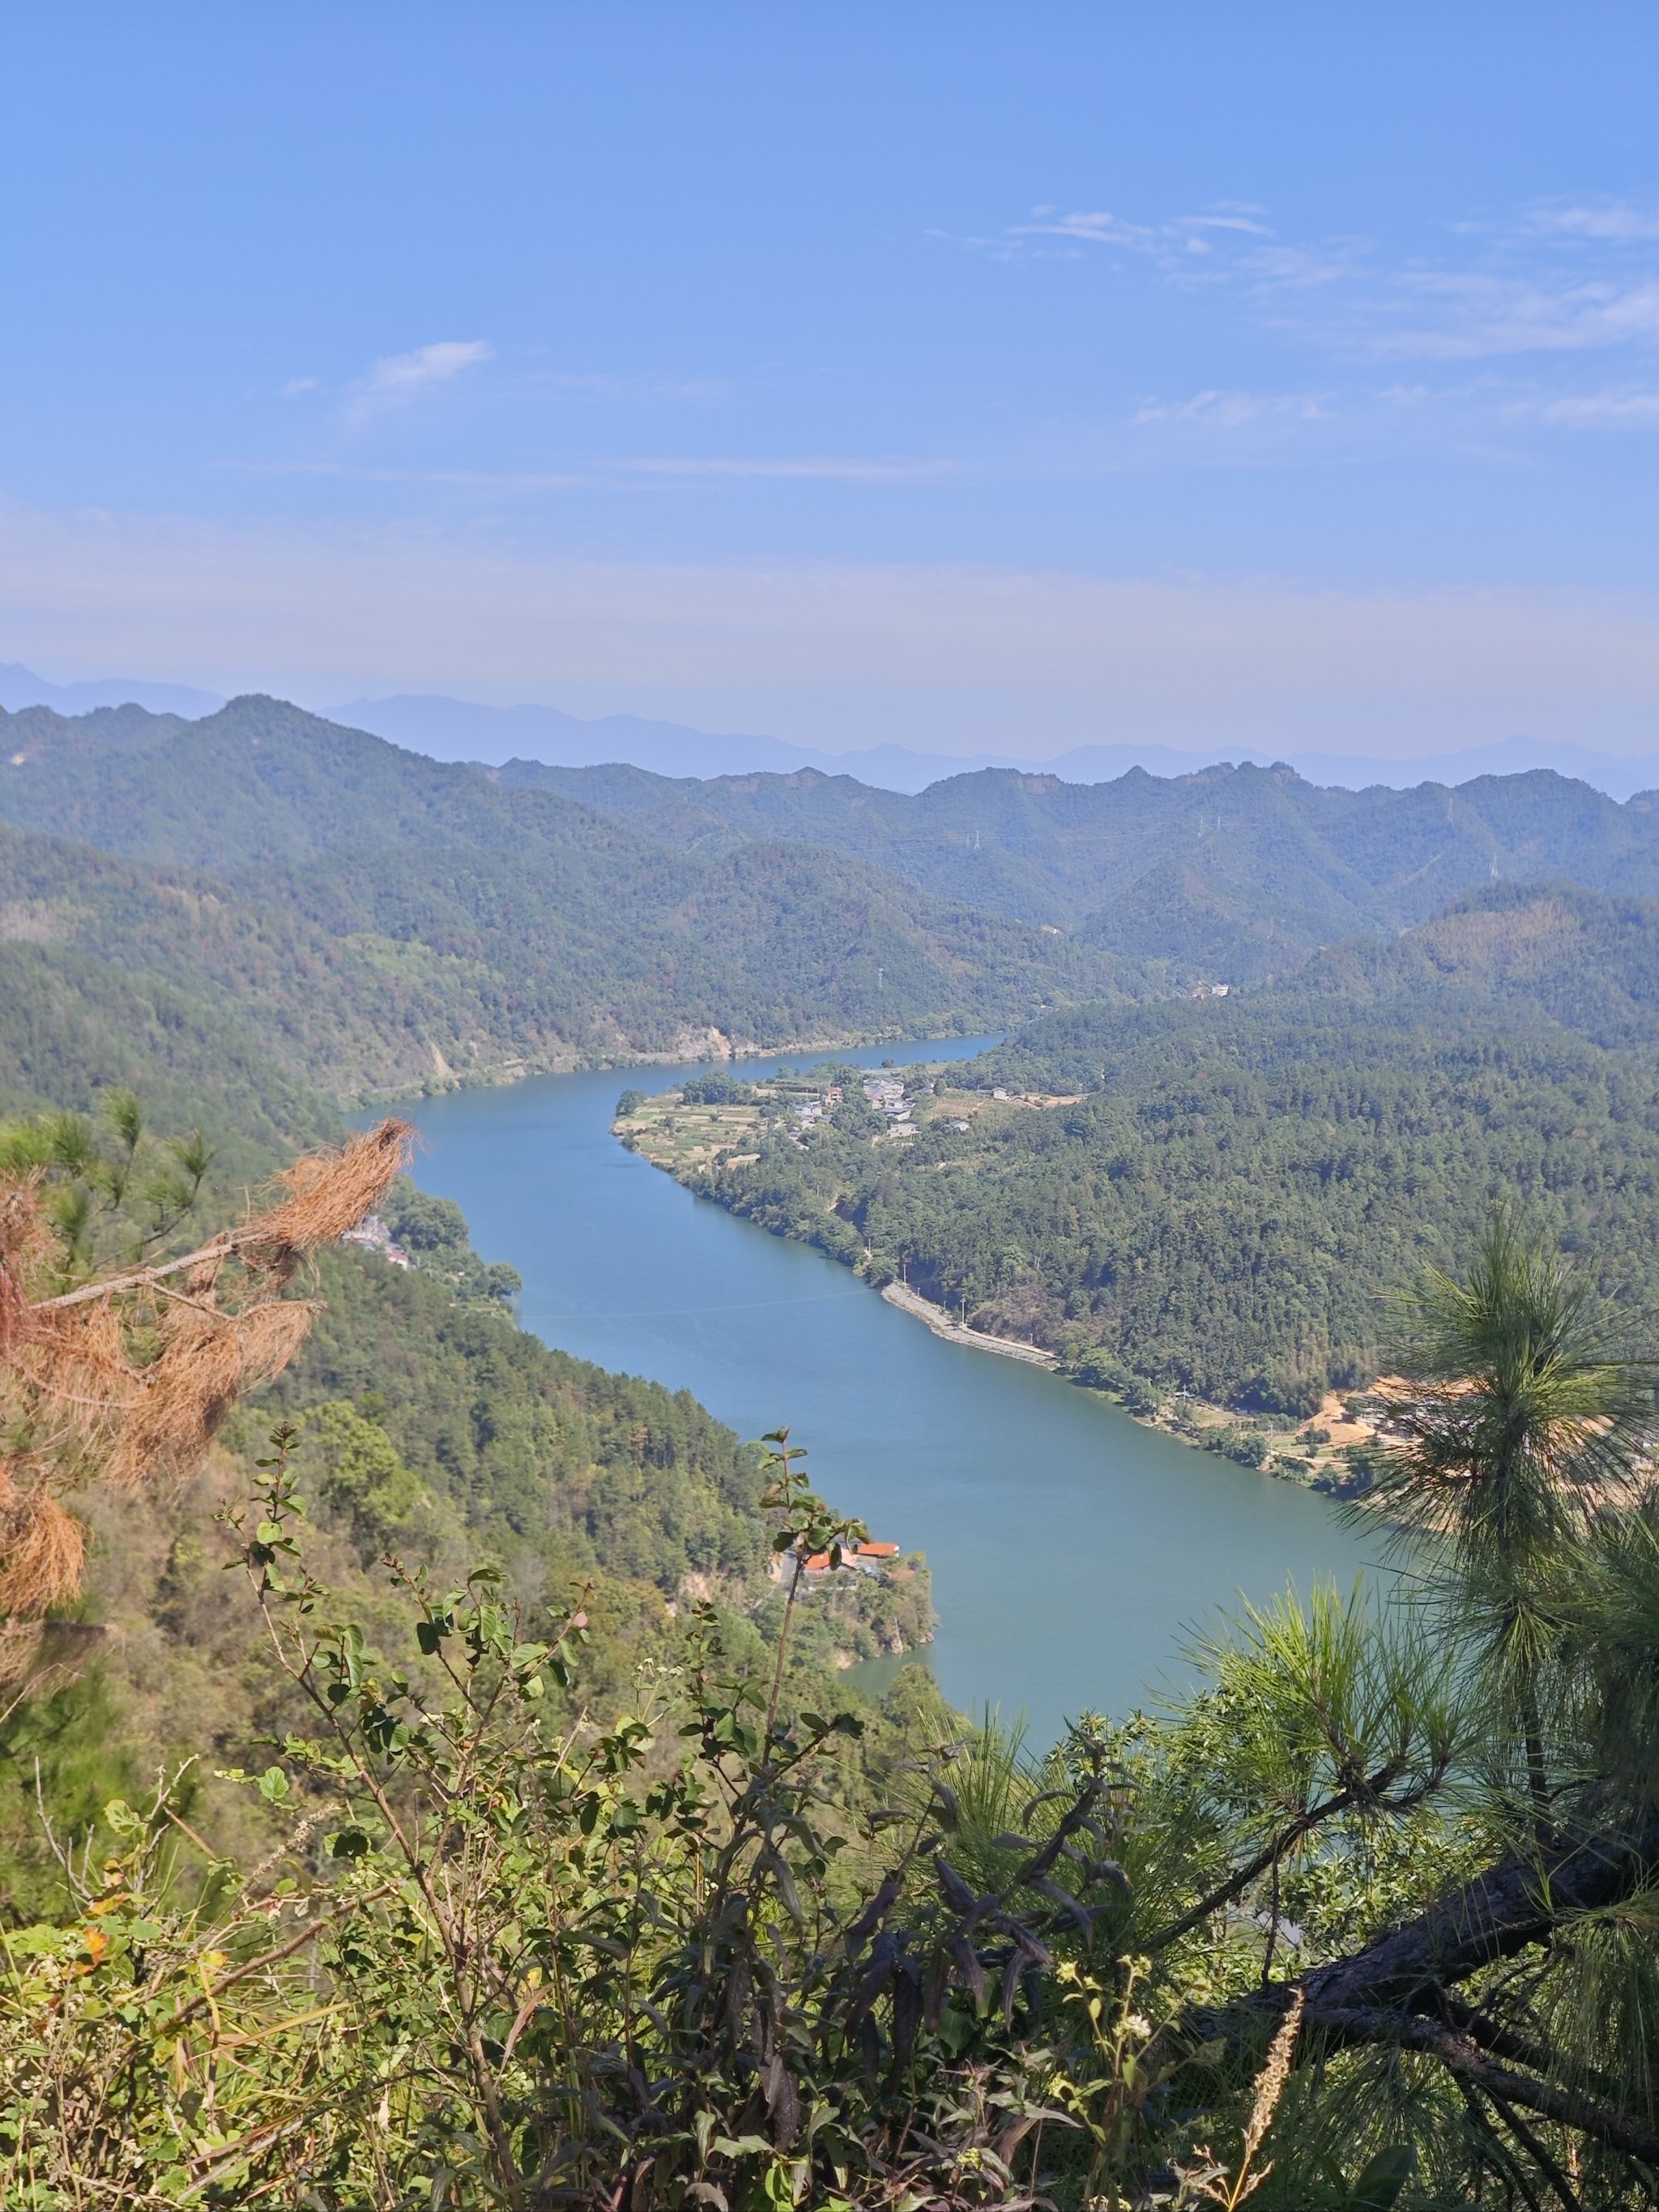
{"points": [[1511, 956], [268, 888], [1243, 1184], [1236, 872], [375, 920], [259, 781]]}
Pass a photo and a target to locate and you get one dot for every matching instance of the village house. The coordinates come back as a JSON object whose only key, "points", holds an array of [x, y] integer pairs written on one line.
{"points": [[871, 1558]]}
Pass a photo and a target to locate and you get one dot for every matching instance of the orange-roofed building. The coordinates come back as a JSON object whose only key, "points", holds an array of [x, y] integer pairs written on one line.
{"points": [[868, 1558]]}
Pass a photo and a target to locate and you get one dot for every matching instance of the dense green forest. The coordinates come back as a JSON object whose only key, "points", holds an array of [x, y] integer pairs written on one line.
{"points": [[1236, 874], [434, 1428], [1238, 1186], [382, 921], [73, 1027]]}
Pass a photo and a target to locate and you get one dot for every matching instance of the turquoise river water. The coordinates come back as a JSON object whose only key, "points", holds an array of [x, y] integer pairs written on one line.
{"points": [[1073, 1551]]}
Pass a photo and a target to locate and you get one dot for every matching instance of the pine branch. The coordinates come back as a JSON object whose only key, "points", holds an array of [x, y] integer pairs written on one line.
{"points": [[1395, 1991], [1569, 2108]]}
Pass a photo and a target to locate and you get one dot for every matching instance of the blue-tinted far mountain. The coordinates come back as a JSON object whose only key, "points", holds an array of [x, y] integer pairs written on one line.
{"points": [[449, 729], [461, 729], [21, 687]]}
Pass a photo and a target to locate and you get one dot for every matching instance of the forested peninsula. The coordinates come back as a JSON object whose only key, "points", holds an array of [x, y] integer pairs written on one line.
{"points": [[1221, 1195]]}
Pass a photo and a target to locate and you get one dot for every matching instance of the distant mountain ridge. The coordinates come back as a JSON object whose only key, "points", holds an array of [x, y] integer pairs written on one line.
{"points": [[1056, 889], [21, 687], [465, 730], [1448, 993], [459, 729], [1237, 872]]}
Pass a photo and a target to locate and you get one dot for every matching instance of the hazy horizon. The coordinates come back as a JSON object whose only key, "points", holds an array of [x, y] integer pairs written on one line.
{"points": [[458, 730], [974, 385]]}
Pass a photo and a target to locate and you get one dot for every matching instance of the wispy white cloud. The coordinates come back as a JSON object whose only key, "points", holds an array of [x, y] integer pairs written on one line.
{"points": [[1100, 228], [1556, 278], [1231, 216], [1474, 315], [296, 385], [503, 480], [1171, 241], [1615, 221], [1233, 410], [1603, 411], [1283, 268], [832, 468], [405, 376]]}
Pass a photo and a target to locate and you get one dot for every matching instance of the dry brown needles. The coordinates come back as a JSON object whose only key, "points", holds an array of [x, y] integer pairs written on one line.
{"points": [[126, 1379]]}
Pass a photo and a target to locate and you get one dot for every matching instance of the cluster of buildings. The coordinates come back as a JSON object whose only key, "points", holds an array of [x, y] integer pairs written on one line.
{"points": [[806, 1111], [373, 1236], [886, 1094]]}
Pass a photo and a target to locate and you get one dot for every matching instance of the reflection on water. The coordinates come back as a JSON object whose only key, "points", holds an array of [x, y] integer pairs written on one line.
{"points": [[1071, 1548]]}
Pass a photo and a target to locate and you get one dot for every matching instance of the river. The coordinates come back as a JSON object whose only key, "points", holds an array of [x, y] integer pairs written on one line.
{"points": [[1073, 1551]]}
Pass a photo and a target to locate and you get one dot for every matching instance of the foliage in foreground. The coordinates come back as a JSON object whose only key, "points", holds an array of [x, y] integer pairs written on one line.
{"points": [[1369, 1921], [509, 1959]]}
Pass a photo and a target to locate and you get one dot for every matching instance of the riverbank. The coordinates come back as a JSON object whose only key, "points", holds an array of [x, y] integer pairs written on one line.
{"points": [[1192, 1421], [712, 1130], [941, 1322], [708, 1046]]}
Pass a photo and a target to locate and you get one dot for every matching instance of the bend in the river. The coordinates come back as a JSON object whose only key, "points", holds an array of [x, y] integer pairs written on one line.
{"points": [[1072, 1550]]}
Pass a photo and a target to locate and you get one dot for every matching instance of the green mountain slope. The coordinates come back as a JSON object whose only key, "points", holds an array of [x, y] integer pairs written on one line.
{"points": [[1240, 872], [609, 954], [427, 1422], [350, 1013], [384, 920], [260, 780], [1590, 964], [71, 1027]]}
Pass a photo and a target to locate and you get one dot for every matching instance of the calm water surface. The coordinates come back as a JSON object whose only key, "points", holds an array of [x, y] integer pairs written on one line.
{"points": [[1071, 1549]]}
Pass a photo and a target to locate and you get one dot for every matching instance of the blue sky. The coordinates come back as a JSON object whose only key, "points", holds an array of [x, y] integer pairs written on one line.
{"points": [[956, 374]]}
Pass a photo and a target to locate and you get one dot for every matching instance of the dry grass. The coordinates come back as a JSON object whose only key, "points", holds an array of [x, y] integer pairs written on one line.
{"points": [[1215, 2185], [126, 1380], [328, 1193], [20, 1651], [42, 1552], [206, 1362], [78, 1362], [1270, 2082]]}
